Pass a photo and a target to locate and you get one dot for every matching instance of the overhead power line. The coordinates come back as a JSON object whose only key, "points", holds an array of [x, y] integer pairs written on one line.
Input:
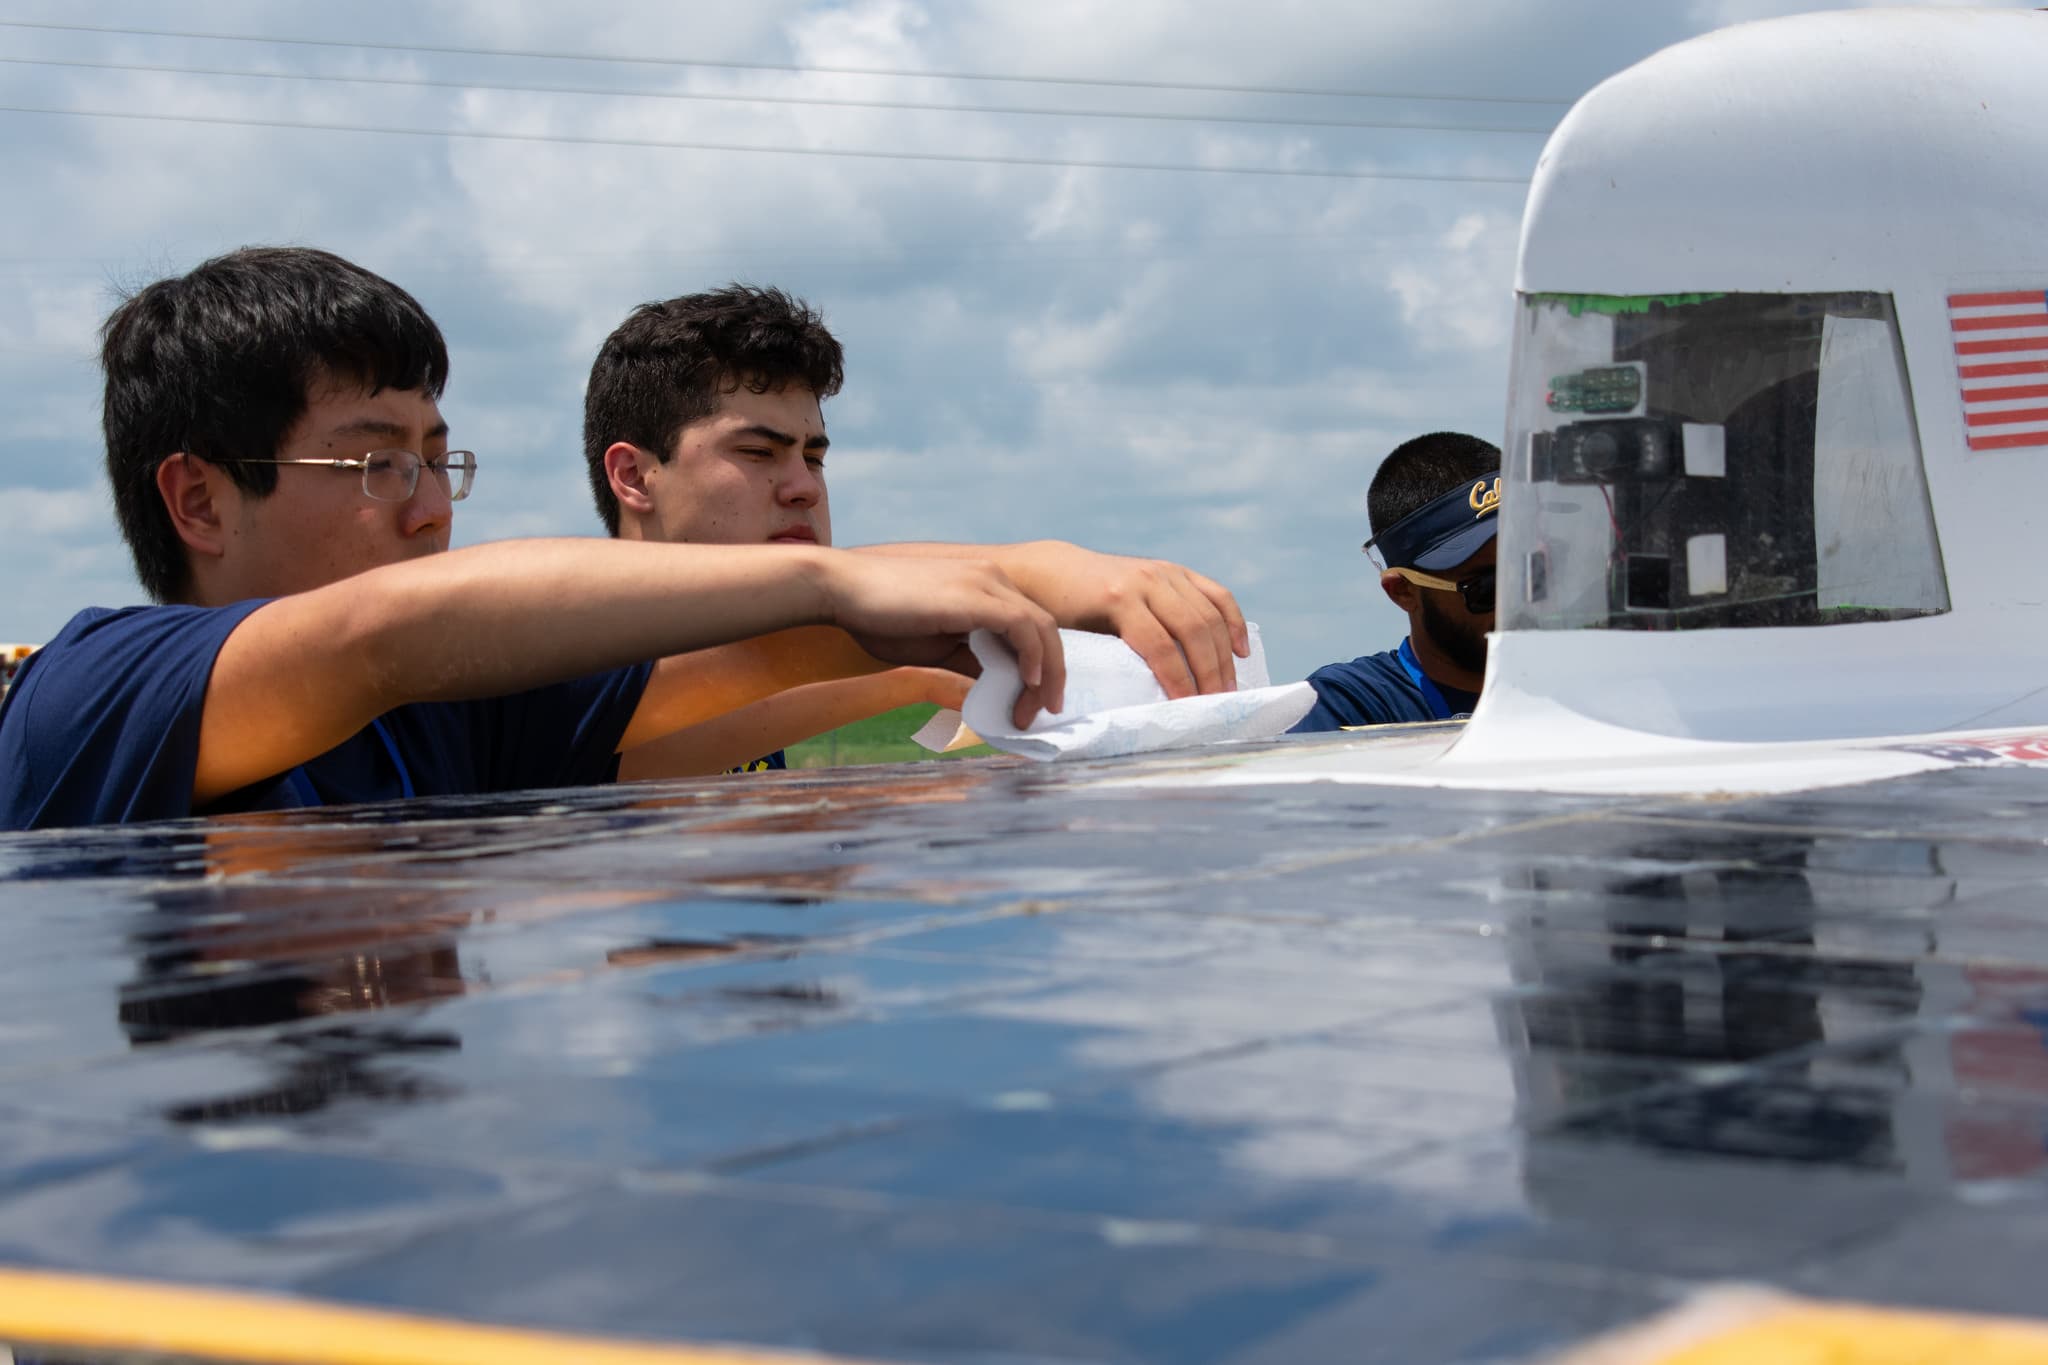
{"points": [[572, 139], [1356, 242], [424, 83], [785, 68]]}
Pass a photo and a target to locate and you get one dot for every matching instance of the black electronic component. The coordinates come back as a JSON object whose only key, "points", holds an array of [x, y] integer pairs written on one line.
{"points": [[1617, 451]]}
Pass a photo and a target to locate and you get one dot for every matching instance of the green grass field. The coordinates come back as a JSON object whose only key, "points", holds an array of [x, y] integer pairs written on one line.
{"points": [[879, 739]]}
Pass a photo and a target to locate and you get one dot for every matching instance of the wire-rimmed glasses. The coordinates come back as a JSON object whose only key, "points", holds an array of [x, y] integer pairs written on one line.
{"points": [[393, 475]]}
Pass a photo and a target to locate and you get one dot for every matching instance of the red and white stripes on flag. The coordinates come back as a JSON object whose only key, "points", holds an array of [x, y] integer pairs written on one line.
{"points": [[2002, 356]]}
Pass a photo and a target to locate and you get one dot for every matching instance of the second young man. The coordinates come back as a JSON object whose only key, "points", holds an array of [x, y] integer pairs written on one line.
{"points": [[703, 423]]}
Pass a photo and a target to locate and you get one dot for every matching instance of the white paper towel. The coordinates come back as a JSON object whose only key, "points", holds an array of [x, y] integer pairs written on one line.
{"points": [[1114, 704]]}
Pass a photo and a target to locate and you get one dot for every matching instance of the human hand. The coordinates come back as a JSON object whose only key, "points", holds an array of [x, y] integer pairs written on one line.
{"points": [[1185, 625], [918, 611]]}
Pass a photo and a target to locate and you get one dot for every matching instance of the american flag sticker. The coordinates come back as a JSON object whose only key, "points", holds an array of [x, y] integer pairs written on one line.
{"points": [[2002, 357]]}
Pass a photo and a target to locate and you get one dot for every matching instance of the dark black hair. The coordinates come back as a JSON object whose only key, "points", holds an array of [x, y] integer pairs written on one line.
{"points": [[1424, 468], [218, 363], [668, 364]]}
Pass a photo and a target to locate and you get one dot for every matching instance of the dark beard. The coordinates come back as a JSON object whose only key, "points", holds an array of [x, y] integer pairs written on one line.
{"points": [[1463, 642]]}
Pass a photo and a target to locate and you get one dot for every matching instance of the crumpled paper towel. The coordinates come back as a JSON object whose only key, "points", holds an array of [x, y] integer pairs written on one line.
{"points": [[1114, 704]]}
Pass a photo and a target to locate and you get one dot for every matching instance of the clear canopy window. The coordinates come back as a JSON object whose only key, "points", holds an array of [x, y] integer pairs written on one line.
{"points": [[1713, 460]]}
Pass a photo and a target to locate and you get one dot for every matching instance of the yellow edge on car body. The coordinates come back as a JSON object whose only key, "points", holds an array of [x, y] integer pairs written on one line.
{"points": [[1760, 1327], [50, 1309]]}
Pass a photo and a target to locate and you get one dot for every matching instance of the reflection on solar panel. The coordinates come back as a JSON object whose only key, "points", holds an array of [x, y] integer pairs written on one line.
{"points": [[1000, 1062]]}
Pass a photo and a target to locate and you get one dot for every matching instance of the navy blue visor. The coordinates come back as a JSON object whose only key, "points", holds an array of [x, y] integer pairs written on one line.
{"points": [[1442, 533]]}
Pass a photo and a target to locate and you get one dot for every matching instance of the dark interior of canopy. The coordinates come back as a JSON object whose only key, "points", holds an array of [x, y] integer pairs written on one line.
{"points": [[1749, 365]]}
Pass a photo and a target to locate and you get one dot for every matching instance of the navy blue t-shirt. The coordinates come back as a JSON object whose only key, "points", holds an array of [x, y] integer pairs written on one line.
{"points": [[102, 727], [1377, 689]]}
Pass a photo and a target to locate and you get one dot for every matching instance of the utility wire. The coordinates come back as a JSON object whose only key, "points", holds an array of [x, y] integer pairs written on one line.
{"points": [[1357, 244], [1290, 172], [424, 83], [1097, 81]]}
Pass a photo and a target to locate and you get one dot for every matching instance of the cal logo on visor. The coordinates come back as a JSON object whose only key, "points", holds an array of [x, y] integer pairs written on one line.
{"points": [[1485, 497]]}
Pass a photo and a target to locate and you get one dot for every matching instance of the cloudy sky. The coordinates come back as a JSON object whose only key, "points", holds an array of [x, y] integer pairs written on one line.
{"points": [[1162, 276]]}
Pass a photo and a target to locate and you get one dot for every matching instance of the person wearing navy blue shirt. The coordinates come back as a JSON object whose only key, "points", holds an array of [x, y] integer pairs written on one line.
{"points": [[1433, 506], [703, 423], [283, 477]]}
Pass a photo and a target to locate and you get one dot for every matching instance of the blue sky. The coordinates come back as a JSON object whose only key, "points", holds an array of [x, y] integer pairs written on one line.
{"points": [[1056, 324]]}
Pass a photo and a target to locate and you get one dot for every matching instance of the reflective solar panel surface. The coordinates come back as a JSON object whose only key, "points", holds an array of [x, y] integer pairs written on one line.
{"points": [[999, 1062]]}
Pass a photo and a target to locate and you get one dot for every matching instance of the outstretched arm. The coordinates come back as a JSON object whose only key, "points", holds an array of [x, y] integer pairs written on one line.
{"points": [[1185, 625], [303, 673], [760, 728]]}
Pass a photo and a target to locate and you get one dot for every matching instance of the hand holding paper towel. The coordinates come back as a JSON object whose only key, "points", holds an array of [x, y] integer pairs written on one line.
{"points": [[1115, 705]]}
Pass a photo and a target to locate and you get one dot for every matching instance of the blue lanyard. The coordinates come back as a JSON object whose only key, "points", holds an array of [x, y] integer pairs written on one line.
{"points": [[1438, 707], [302, 785]]}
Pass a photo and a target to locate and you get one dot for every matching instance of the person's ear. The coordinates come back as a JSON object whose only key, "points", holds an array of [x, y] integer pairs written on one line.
{"points": [[1400, 591], [626, 467], [195, 496]]}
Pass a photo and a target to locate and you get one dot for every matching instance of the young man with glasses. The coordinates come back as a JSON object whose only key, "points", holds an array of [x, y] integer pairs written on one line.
{"points": [[1433, 506], [703, 424], [282, 475]]}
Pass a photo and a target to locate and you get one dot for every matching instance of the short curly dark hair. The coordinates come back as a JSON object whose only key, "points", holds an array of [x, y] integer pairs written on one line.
{"points": [[668, 364], [1425, 468]]}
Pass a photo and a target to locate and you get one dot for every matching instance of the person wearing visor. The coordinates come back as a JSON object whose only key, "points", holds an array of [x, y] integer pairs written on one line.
{"points": [[1433, 505]]}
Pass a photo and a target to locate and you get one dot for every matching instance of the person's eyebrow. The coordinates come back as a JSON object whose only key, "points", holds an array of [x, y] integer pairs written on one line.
{"points": [[758, 432], [378, 427]]}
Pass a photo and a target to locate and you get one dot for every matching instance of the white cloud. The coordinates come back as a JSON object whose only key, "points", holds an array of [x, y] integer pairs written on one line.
{"points": [[1199, 365], [1459, 298], [51, 515], [1721, 13], [873, 33], [1049, 348]]}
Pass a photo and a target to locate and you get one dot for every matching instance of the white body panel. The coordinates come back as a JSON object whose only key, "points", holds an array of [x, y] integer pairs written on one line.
{"points": [[1899, 152], [1896, 151]]}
